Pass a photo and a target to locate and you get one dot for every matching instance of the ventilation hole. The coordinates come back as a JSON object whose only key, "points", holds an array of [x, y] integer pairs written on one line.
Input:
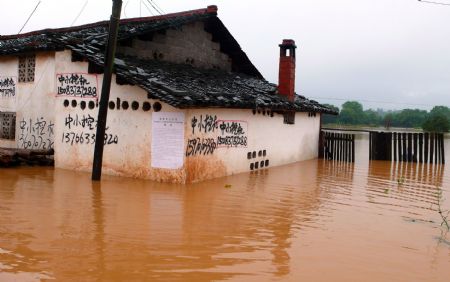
{"points": [[271, 114], [66, 103], [251, 166], [83, 105], [254, 154], [125, 105], [259, 153], [256, 165], [135, 105], [259, 111], [249, 155], [157, 107], [264, 153], [146, 106], [267, 163], [264, 112], [111, 105], [254, 112], [91, 105], [74, 103], [261, 164]]}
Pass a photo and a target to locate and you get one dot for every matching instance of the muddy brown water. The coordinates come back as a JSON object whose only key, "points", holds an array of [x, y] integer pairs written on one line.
{"points": [[309, 221]]}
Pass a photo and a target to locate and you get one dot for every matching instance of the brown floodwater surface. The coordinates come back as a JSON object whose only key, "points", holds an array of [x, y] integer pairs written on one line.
{"points": [[309, 221]]}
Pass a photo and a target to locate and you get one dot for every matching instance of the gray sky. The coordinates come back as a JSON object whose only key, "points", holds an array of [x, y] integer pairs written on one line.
{"points": [[394, 51]]}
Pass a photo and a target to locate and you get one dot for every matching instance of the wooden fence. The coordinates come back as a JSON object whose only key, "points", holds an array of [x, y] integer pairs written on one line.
{"points": [[407, 147], [337, 146]]}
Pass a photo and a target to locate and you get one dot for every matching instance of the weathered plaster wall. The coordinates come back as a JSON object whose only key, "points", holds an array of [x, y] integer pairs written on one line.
{"points": [[257, 141], [33, 103], [189, 45], [61, 106], [128, 148]]}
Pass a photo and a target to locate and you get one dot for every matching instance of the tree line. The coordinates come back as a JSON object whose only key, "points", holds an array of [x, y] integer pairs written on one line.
{"points": [[352, 113]]}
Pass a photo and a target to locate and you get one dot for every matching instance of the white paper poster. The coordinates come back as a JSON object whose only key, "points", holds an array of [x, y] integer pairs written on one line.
{"points": [[167, 140]]}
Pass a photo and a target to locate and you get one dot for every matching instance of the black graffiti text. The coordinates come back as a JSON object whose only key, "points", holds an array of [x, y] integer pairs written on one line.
{"points": [[207, 123], [81, 121], [7, 87], [200, 146], [75, 85], [232, 141], [74, 138], [231, 128], [36, 134]]}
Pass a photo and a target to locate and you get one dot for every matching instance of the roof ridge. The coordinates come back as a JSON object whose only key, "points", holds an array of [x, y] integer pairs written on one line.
{"points": [[209, 10]]}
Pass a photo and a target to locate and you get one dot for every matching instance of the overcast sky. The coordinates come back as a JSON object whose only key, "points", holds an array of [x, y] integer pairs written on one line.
{"points": [[390, 54]]}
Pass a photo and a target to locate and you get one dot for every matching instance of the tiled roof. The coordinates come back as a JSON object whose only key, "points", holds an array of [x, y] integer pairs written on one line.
{"points": [[181, 86]]}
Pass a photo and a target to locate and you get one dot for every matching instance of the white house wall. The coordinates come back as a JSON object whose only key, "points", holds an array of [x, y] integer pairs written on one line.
{"points": [[261, 141], [214, 142], [33, 103], [128, 148]]}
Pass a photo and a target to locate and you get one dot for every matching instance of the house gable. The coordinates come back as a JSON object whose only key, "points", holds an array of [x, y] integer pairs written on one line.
{"points": [[190, 44]]}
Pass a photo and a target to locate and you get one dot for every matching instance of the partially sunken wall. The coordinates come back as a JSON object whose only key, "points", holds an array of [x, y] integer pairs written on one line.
{"points": [[127, 150], [189, 45], [228, 141], [31, 102]]}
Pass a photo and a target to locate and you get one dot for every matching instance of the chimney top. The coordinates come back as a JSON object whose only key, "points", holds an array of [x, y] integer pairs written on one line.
{"points": [[211, 9], [288, 43]]}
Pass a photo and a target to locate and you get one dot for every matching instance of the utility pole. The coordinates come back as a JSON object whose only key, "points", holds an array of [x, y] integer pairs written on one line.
{"points": [[106, 87]]}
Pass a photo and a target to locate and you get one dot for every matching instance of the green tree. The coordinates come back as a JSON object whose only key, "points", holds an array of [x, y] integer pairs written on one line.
{"points": [[371, 117], [352, 113], [438, 120], [330, 119], [409, 118]]}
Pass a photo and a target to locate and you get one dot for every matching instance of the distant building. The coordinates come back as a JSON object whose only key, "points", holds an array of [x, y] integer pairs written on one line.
{"points": [[186, 102]]}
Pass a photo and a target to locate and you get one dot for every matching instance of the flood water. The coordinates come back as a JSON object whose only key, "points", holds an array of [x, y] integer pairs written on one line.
{"points": [[309, 221]]}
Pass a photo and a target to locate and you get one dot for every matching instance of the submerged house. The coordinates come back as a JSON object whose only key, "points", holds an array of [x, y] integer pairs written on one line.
{"points": [[186, 103]]}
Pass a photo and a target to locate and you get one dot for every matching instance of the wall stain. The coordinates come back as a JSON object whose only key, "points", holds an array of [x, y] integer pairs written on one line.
{"points": [[199, 168]]}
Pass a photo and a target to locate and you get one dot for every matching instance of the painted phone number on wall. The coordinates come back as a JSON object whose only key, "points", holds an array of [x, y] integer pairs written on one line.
{"points": [[74, 138]]}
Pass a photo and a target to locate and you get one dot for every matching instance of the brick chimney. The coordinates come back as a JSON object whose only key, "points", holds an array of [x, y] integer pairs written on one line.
{"points": [[286, 79]]}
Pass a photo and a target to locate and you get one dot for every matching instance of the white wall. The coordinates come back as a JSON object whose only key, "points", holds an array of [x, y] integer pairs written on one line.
{"points": [[54, 117], [33, 103], [131, 155], [283, 143]]}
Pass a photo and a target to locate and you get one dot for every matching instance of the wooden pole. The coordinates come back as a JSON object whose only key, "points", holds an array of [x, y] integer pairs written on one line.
{"points": [[321, 144], [394, 140], [106, 87], [431, 147], [409, 147], [353, 148], [405, 154], [425, 149], [415, 148], [420, 147], [442, 149]]}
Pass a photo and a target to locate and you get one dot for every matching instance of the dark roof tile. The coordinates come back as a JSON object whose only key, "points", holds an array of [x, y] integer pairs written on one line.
{"points": [[181, 86]]}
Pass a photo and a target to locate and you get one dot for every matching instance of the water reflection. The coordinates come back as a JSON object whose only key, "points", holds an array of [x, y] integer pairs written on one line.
{"points": [[314, 220]]}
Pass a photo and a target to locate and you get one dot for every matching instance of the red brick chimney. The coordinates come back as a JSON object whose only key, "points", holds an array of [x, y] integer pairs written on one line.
{"points": [[286, 80]]}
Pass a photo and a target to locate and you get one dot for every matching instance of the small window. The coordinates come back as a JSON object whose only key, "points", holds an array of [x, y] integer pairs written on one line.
{"points": [[7, 125], [27, 66]]}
